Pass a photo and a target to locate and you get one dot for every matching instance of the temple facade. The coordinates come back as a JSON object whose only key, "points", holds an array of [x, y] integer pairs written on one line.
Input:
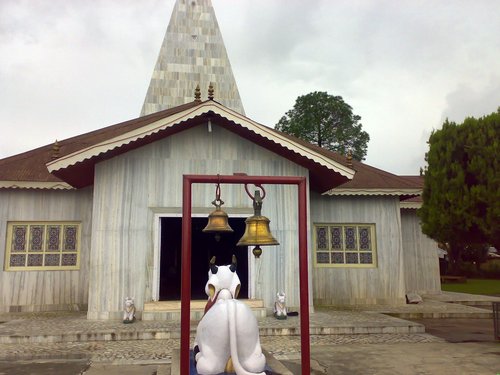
{"points": [[90, 220]]}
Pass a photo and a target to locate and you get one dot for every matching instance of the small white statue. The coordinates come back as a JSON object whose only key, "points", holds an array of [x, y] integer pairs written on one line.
{"points": [[280, 306], [227, 337], [129, 310]]}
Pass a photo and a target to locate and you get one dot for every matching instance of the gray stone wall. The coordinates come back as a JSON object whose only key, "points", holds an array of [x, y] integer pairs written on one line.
{"points": [[421, 261], [192, 53], [45, 290], [131, 188], [383, 284]]}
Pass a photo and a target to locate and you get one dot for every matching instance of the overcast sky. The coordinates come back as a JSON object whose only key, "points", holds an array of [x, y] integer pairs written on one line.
{"points": [[69, 67]]}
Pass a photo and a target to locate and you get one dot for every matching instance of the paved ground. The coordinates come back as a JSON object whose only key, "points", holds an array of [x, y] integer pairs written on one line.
{"points": [[460, 330], [41, 343], [405, 359], [44, 368], [363, 355], [460, 347], [389, 354]]}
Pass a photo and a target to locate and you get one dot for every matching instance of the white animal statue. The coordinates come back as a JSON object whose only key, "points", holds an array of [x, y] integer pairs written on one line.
{"points": [[128, 310], [280, 306], [227, 337]]}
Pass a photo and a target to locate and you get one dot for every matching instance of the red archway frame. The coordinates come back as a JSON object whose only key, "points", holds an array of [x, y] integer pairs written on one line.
{"points": [[188, 180]]}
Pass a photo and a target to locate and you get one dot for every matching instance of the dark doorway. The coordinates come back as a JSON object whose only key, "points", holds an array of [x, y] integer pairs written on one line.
{"points": [[204, 246]]}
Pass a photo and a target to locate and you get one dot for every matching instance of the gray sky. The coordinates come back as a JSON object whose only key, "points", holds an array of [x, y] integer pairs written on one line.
{"points": [[69, 67]]}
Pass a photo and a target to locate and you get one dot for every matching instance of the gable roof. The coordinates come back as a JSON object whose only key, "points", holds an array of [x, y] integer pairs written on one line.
{"points": [[77, 168], [368, 180], [29, 170], [329, 172], [77, 157], [373, 181]]}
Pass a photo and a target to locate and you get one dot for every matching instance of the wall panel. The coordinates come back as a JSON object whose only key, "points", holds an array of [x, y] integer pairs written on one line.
{"points": [[350, 285], [44, 290], [130, 188], [421, 261]]}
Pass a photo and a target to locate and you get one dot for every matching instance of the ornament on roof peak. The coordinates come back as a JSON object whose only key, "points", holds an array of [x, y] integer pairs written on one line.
{"points": [[211, 91], [197, 94], [349, 158], [55, 150]]}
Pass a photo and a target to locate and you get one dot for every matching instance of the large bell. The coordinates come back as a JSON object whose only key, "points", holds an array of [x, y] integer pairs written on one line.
{"points": [[217, 221], [257, 232]]}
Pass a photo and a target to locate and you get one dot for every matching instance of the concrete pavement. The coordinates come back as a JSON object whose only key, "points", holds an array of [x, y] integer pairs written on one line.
{"points": [[343, 341], [404, 359]]}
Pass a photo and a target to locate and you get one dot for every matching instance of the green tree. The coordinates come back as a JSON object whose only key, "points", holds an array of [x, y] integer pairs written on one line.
{"points": [[327, 121], [461, 196]]}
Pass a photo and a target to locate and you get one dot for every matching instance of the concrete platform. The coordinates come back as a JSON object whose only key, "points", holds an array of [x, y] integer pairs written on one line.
{"points": [[473, 300], [361, 340], [439, 306], [58, 327], [74, 327]]}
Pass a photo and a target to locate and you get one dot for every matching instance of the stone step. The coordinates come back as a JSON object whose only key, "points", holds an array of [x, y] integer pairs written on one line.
{"points": [[195, 304], [78, 329], [485, 314], [171, 310]]}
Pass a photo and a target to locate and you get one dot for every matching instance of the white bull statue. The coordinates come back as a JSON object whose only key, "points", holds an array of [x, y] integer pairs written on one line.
{"points": [[227, 337]]}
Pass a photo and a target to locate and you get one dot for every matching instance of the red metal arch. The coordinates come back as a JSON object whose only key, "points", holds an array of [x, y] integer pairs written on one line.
{"points": [[301, 183]]}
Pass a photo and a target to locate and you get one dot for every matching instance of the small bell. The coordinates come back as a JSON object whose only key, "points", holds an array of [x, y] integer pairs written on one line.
{"points": [[218, 219], [257, 232]]}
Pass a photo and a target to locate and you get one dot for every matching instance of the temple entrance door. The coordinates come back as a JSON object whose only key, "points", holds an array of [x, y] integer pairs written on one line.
{"points": [[204, 246]]}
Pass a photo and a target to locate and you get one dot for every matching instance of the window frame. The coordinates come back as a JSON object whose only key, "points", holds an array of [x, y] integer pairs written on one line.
{"points": [[373, 241], [44, 246]]}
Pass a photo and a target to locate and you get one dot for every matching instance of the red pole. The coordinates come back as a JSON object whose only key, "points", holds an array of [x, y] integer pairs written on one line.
{"points": [[186, 257], [305, 354], [185, 275]]}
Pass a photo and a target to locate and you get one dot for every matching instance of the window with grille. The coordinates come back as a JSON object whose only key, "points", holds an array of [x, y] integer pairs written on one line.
{"points": [[42, 246], [345, 245]]}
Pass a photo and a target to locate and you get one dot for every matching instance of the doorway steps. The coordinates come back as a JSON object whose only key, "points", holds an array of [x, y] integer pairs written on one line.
{"points": [[171, 310]]}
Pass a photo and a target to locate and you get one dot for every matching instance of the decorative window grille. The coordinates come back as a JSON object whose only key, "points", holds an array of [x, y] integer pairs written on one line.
{"points": [[345, 245], [40, 246]]}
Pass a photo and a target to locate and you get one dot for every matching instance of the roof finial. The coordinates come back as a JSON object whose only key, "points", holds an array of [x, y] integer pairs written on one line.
{"points": [[349, 158], [197, 94], [55, 150], [211, 91]]}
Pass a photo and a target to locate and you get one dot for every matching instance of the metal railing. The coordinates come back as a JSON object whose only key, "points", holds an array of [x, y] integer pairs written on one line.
{"points": [[496, 319]]}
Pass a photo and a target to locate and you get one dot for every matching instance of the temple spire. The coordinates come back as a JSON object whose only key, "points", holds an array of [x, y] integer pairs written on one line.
{"points": [[192, 53]]}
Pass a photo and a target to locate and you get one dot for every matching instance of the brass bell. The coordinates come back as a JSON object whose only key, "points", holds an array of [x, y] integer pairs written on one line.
{"points": [[218, 219], [217, 222], [257, 232]]}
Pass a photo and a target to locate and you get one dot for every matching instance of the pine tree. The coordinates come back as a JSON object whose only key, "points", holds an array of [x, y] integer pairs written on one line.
{"points": [[461, 196]]}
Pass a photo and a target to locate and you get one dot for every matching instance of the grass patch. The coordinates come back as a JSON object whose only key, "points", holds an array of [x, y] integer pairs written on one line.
{"points": [[474, 286]]}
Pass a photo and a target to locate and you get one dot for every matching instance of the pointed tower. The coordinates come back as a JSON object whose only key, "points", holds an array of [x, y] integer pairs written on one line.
{"points": [[192, 54]]}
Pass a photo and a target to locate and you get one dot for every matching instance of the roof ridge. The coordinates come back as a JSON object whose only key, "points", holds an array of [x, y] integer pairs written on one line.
{"points": [[342, 159], [137, 122]]}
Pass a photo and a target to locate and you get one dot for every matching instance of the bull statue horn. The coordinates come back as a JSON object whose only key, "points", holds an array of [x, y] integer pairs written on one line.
{"points": [[213, 267], [234, 263]]}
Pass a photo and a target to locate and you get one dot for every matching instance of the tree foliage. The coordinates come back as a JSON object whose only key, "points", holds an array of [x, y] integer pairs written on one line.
{"points": [[461, 196], [327, 121]]}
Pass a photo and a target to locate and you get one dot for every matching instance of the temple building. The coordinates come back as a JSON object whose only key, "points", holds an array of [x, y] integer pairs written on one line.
{"points": [[90, 220]]}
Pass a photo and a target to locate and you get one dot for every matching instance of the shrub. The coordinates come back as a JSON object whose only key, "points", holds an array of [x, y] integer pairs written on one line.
{"points": [[491, 269]]}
